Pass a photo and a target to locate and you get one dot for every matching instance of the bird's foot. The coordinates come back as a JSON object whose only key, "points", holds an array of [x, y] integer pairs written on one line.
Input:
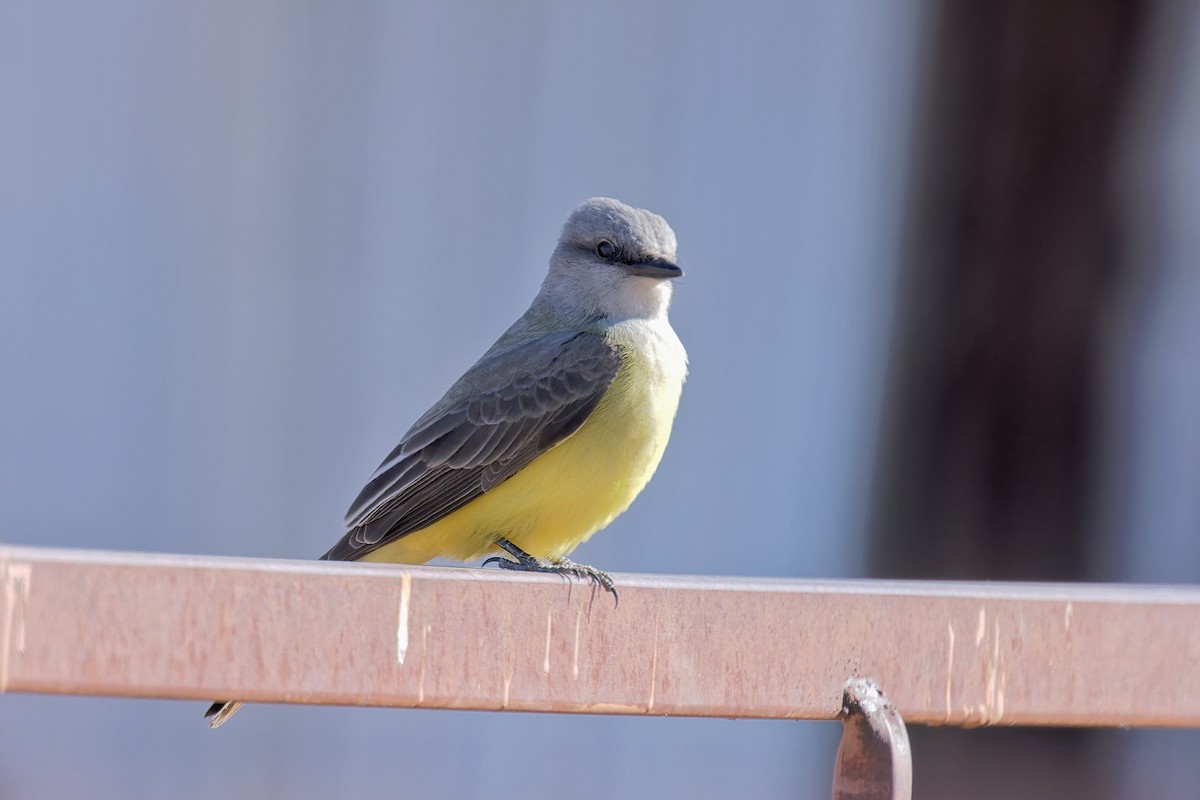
{"points": [[598, 577], [562, 566]]}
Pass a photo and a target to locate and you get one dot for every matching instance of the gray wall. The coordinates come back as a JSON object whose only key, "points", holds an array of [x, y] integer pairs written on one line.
{"points": [[244, 245]]}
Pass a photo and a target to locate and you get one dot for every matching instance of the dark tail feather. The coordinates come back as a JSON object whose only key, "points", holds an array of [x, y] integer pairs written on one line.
{"points": [[221, 711]]}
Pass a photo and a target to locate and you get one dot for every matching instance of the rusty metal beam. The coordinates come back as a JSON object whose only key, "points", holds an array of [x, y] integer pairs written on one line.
{"points": [[314, 632]]}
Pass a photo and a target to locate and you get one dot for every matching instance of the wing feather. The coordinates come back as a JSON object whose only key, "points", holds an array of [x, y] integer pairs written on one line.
{"points": [[504, 413]]}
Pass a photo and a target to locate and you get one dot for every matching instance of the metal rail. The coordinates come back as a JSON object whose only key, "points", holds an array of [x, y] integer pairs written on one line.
{"points": [[966, 654]]}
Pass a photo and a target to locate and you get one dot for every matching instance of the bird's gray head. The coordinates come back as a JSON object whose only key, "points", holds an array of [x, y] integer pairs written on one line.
{"points": [[612, 261]]}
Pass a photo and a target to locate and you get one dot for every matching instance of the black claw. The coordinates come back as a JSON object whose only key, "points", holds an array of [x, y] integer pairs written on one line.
{"points": [[563, 567]]}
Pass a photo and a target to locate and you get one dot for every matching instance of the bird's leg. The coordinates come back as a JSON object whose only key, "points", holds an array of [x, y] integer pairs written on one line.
{"points": [[561, 566], [524, 561]]}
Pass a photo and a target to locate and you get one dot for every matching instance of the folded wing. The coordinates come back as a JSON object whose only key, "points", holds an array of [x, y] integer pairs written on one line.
{"points": [[504, 413]]}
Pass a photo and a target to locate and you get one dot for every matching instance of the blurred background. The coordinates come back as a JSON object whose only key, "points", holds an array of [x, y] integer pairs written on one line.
{"points": [[942, 305]]}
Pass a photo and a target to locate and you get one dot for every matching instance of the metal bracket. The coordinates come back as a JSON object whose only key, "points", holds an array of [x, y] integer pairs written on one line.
{"points": [[874, 761]]}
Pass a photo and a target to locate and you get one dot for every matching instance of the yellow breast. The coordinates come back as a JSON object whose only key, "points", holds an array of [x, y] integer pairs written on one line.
{"points": [[578, 487]]}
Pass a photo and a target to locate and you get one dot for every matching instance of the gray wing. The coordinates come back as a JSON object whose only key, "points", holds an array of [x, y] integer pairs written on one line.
{"points": [[505, 412]]}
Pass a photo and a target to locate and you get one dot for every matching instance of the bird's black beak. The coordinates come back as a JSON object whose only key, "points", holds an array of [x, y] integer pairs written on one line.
{"points": [[654, 268]]}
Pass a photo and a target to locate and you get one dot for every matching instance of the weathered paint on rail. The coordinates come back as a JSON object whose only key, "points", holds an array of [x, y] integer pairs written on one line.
{"points": [[968, 654]]}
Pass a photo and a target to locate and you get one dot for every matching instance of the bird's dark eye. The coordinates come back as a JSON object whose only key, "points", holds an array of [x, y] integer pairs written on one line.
{"points": [[606, 249]]}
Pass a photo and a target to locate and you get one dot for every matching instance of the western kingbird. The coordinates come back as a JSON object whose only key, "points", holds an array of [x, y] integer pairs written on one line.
{"points": [[554, 432]]}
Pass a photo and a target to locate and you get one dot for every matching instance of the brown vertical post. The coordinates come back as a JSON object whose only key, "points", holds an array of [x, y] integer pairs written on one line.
{"points": [[1014, 259]]}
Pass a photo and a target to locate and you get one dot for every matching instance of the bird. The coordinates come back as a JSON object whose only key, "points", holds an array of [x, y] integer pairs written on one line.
{"points": [[552, 433]]}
